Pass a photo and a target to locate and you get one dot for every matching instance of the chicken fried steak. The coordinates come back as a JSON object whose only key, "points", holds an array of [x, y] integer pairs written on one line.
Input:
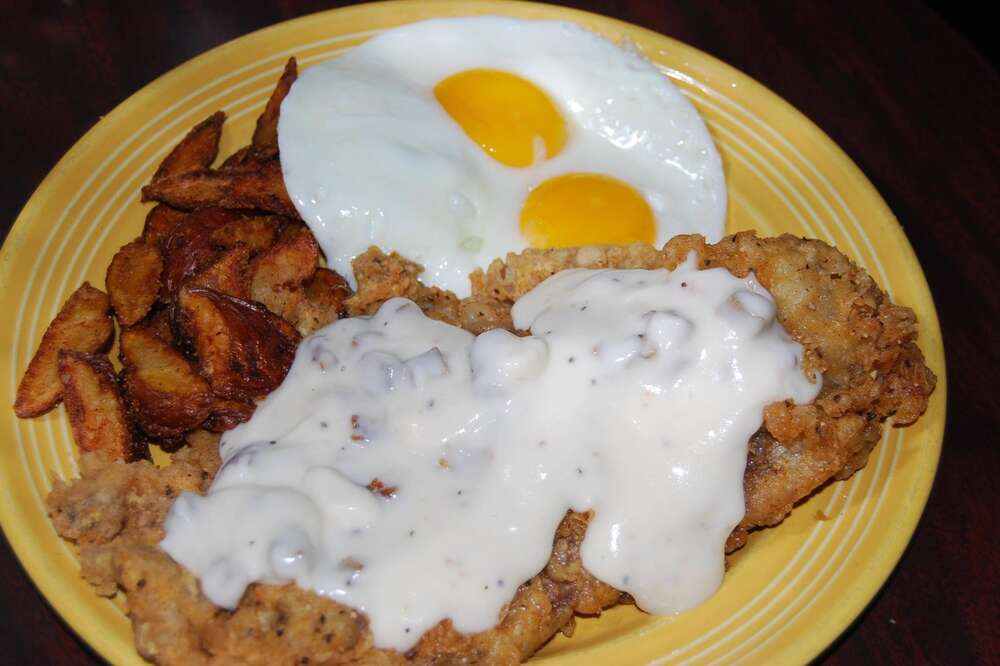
{"points": [[862, 343]]}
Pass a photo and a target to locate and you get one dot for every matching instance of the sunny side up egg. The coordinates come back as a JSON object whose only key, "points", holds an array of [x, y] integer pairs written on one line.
{"points": [[455, 141]]}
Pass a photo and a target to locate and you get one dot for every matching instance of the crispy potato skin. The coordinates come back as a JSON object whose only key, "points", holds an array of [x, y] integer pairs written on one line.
{"points": [[166, 394], [160, 223], [244, 350], [257, 232], [261, 188], [324, 301], [197, 150], [96, 410], [189, 249], [227, 414], [84, 325], [278, 275], [265, 135], [133, 280], [227, 274]]}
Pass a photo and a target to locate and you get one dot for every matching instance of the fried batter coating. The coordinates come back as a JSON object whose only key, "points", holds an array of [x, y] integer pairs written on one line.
{"points": [[862, 343]]}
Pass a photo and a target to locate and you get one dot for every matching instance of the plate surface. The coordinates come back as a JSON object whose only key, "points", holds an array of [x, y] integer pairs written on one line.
{"points": [[787, 595]]}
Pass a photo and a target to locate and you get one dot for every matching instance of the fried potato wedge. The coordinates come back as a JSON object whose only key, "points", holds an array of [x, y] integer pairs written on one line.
{"points": [[277, 275], [160, 223], [265, 135], [83, 324], [323, 303], [189, 248], [97, 412], [244, 351], [197, 150], [166, 394], [257, 232], [227, 414], [159, 324], [241, 159], [262, 188], [228, 274], [133, 280]]}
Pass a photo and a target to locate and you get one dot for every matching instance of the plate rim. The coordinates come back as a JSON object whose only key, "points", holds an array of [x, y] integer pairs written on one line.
{"points": [[886, 559]]}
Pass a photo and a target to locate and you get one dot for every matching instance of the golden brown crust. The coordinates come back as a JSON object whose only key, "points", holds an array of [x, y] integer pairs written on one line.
{"points": [[257, 232], [324, 301], [160, 223], [166, 394], [278, 274], [189, 248], [133, 280], [265, 134], [84, 325], [244, 350], [383, 276], [96, 410], [260, 188], [227, 274], [197, 150]]}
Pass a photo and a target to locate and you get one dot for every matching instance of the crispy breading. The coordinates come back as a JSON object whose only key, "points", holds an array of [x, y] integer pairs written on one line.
{"points": [[262, 188], [863, 344], [265, 134], [197, 150], [133, 280], [383, 276], [83, 324], [97, 412]]}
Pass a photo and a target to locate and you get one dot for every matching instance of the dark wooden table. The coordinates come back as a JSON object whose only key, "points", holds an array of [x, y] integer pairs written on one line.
{"points": [[906, 95]]}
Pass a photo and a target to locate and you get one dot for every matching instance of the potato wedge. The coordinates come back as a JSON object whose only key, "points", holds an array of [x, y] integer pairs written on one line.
{"points": [[265, 135], [257, 232], [133, 280], [244, 351], [323, 303], [277, 275], [197, 150], [159, 325], [228, 274], [227, 414], [83, 324], [97, 412], [262, 188], [166, 394], [244, 159], [160, 223], [189, 248]]}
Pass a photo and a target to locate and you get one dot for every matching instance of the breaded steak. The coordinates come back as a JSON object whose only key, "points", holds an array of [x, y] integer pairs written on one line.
{"points": [[862, 343]]}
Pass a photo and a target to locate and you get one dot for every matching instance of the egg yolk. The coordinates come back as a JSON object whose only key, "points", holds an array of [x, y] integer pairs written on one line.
{"points": [[585, 209], [509, 117]]}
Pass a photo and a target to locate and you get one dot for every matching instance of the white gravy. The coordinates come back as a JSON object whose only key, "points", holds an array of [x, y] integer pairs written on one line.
{"points": [[415, 472]]}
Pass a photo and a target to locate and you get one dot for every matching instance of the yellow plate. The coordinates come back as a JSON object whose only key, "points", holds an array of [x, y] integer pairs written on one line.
{"points": [[788, 594]]}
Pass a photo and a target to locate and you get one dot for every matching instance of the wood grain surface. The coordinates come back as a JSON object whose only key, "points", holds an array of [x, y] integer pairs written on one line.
{"points": [[908, 97]]}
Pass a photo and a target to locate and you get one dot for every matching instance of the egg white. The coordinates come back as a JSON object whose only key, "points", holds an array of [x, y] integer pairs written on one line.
{"points": [[370, 158]]}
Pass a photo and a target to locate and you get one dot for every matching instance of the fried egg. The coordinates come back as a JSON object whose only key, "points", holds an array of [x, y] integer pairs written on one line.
{"points": [[455, 141]]}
